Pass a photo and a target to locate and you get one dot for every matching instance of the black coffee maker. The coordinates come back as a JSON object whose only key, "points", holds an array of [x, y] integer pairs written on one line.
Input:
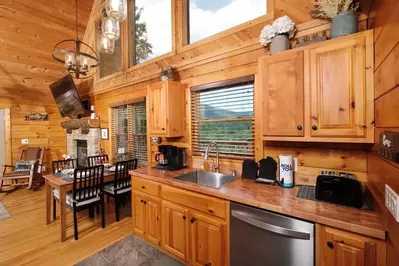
{"points": [[171, 158]]}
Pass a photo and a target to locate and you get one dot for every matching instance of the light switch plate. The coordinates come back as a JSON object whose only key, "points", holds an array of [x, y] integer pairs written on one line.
{"points": [[25, 141], [391, 202]]}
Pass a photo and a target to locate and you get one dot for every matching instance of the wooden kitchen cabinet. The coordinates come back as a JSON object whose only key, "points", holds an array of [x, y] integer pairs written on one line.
{"points": [[147, 217], [338, 89], [207, 240], [175, 230], [283, 94], [336, 247], [322, 92], [166, 114]]}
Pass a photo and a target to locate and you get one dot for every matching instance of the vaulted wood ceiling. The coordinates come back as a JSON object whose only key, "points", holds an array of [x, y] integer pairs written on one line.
{"points": [[29, 29]]}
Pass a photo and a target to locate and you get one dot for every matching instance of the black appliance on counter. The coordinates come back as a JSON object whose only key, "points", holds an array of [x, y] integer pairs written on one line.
{"points": [[171, 158], [341, 188]]}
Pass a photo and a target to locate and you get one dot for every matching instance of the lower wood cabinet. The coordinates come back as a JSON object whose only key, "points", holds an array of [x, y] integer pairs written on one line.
{"points": [[147, 217], [207, 240], [175, 230], [340, 248], [181, 227]]}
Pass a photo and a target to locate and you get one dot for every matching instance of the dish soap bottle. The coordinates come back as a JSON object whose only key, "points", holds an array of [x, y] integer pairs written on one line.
{"points": [[202, 167]]}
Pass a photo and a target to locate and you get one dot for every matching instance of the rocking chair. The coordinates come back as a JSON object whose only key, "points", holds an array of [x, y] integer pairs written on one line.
{"points": [[32, 175]]}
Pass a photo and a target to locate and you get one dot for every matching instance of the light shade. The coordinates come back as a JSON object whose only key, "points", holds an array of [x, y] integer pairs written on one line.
{"points": [[116, 9], [106, 45], [110, 28]]}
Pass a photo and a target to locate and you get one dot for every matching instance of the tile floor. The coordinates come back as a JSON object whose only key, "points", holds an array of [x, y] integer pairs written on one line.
{"points": [[131, 251]]}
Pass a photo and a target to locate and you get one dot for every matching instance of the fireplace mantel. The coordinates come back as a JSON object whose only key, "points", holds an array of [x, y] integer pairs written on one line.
{"points": [[84, 124]]}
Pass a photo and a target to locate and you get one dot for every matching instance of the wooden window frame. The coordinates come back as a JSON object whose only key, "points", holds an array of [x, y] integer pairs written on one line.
{"points": [[184, 26], [220, 85], [111, 129]]}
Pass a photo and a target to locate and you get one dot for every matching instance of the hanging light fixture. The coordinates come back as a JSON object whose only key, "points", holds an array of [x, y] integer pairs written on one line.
{"points": [[106, 45], [116, 9], [80, 60], [110, 28]]}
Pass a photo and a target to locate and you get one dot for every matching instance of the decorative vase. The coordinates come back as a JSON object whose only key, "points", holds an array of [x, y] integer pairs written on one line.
{"points": [[279, 43], [344, 24]]}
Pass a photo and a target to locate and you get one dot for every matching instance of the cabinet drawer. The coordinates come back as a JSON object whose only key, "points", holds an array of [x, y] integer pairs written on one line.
{"points": [[146, 186], [206, 204]]}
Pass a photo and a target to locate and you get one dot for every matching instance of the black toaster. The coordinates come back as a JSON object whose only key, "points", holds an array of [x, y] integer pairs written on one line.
{"points": [[339, 189]]}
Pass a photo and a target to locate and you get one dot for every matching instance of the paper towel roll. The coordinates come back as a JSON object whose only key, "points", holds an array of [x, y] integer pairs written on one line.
{"points": [[286, 170]]}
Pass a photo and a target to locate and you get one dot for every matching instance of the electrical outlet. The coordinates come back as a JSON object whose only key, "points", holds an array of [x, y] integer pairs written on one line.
{"points": [[25, 141], [391, 202]]}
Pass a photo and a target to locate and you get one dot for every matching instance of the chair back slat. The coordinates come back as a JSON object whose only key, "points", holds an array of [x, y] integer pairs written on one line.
{"points": [[88, 183], [97, 160], [61, 164], [122, 177]]}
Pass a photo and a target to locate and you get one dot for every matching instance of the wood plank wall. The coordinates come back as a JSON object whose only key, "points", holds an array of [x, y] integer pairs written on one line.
{"points": [[386, 44]]}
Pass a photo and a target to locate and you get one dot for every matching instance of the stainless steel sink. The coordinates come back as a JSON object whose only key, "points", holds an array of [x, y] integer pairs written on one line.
{"points": [[208, 179]]}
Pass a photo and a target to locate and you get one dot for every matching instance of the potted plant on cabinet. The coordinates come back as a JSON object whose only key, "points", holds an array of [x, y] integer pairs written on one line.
{"points": [[342, 14], [278, 34]]}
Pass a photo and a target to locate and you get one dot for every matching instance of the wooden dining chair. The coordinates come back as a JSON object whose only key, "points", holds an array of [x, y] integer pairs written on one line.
{"points": [[62, 164], [97, 160], [121, 184], [58, 166], [28, 168], [87, 193]]}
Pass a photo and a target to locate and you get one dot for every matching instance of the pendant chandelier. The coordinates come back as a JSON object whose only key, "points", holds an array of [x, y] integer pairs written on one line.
{"points": [[114, 13], [81, 61]]}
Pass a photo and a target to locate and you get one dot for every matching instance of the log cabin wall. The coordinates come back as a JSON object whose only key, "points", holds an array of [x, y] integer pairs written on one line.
{"points": [[28, 32], [385, 22], [230, 54]]}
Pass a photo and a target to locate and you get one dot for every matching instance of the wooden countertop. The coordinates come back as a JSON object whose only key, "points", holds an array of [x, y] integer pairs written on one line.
{"points": [[280, 200]]}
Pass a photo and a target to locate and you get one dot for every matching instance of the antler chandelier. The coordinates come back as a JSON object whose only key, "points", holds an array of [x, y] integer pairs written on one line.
{"points": [[81, 61]]}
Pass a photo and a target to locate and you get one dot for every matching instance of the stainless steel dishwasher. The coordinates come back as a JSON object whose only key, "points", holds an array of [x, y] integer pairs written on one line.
{"points": [[263, 238]]}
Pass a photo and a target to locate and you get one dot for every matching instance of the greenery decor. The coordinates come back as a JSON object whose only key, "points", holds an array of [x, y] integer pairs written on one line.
{"points": [[327, 9]]}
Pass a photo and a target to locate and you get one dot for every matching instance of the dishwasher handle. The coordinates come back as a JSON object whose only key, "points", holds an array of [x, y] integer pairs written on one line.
{"points": [[270, 227]]}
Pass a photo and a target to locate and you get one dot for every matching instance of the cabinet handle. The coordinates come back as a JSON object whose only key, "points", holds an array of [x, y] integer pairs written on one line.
{"points": [[184, 217], [208, 264], [330, 244], [143, 187], [142, 201], [314, 127], [163, 128], [299, 127], [192, 220]]}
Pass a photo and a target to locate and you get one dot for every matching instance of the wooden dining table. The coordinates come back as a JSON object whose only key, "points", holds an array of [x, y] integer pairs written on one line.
{"points": [[63, 185]]}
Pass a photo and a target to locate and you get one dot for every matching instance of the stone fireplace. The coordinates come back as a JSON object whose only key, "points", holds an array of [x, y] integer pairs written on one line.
{"points": [[81, 145]]}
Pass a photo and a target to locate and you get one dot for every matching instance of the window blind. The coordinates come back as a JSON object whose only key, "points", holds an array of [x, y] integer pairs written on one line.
{"points": [[224, 115], [129, 132]]}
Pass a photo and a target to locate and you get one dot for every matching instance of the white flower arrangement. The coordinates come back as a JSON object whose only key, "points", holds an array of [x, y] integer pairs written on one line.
{"points": [[282, 25]]}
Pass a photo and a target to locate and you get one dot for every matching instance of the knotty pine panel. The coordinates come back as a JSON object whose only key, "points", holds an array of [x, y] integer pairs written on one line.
{"points": [[387, 109]]}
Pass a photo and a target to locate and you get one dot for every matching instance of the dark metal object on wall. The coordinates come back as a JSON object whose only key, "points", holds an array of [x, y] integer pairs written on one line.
{"points": [[389, 146], [36, 117]]}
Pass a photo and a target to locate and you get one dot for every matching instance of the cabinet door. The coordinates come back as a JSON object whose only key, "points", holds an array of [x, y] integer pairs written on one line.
{"points": [[158, 105], [340, 248], [207, 240], [175, 230], [153, 219], [139, 213], [338, 96], [283, 94]]}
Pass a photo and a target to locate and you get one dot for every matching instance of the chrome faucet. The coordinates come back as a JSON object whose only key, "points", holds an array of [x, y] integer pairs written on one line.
{"points": [[206, 155]]}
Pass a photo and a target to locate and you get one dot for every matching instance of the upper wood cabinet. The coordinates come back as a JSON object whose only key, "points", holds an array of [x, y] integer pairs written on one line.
{"points": [[320, 93], [338, 91], [283, 94], [340, 248], [166, 114]]}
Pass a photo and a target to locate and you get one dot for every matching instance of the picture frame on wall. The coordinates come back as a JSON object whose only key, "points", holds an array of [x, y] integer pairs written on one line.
{"points": [[104, 134]]}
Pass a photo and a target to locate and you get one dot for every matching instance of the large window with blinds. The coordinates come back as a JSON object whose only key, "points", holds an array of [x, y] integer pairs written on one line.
{"points": [[129, 132], [223, 112]]}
